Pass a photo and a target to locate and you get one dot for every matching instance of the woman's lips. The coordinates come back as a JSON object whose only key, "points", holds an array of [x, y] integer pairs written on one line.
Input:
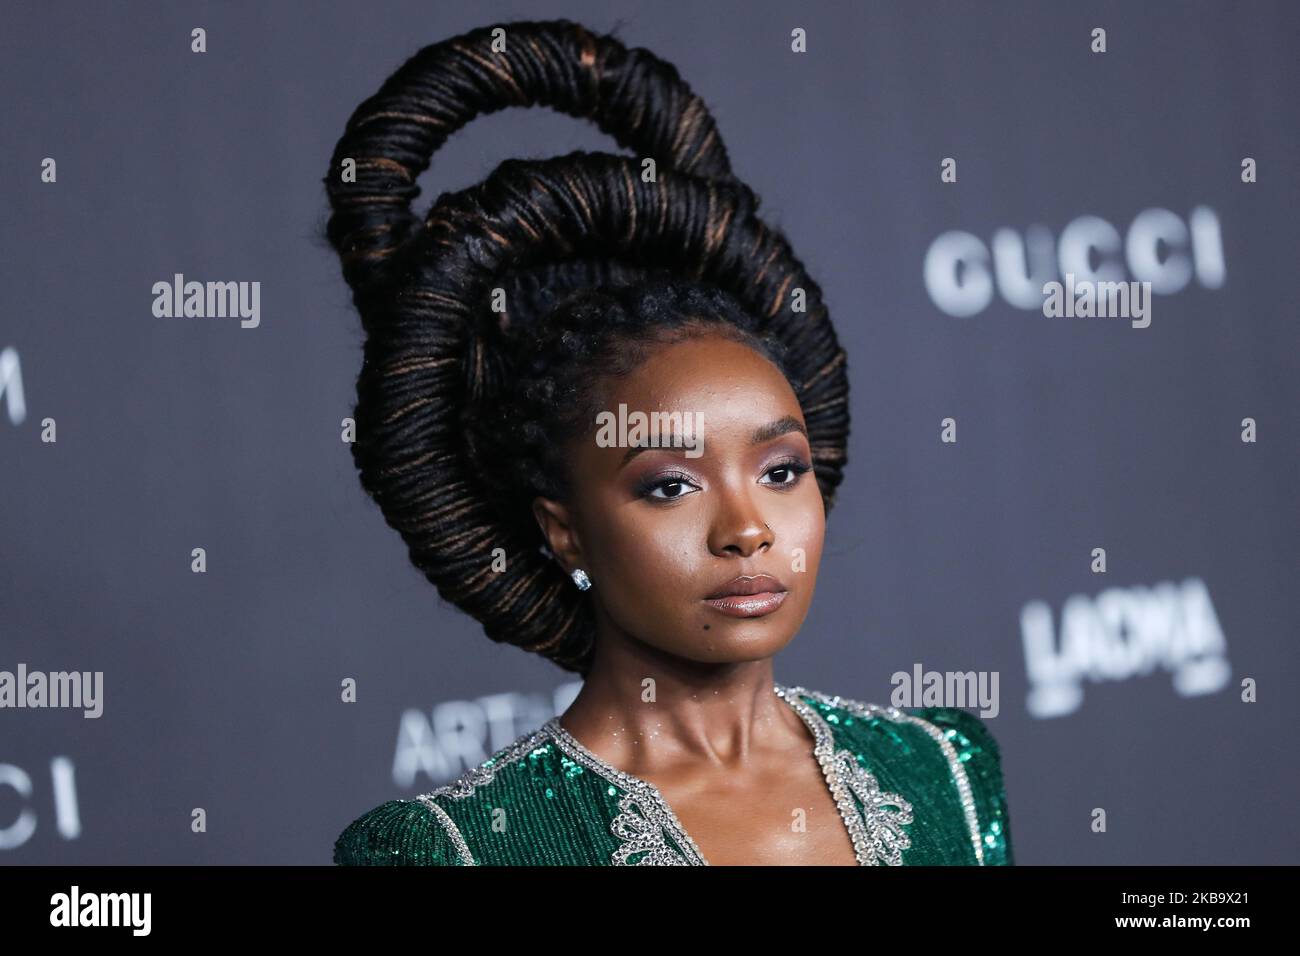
{"points": [[748, 605]]}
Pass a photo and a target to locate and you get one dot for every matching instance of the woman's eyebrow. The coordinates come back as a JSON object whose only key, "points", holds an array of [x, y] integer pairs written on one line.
{"points": [[777, 428], [766, 433]]}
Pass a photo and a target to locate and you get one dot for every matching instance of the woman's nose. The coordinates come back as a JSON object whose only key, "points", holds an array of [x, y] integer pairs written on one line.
{"points": [[739, 528]]}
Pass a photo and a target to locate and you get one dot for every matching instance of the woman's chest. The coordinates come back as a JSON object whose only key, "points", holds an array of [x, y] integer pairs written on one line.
{"points": [[787, 818]]}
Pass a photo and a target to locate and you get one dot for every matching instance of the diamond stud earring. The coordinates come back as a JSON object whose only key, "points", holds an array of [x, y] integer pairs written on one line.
{"points": [[580, 579]]}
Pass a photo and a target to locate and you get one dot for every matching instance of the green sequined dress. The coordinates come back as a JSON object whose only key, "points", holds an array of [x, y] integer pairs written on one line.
{"points": [[921, 786]]}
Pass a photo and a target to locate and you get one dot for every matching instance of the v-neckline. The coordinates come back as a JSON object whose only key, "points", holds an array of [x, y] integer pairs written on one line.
{"points": [[824, 751]]}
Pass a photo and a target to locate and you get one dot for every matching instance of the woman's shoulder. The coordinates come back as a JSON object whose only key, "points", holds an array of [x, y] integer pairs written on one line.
{"points": [[967, 731], [973, 747], [398, 833], [423, 831]]}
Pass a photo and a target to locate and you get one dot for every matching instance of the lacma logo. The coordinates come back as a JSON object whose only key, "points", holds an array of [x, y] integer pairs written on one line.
{"points": [[962, 273], [1120, 634]]}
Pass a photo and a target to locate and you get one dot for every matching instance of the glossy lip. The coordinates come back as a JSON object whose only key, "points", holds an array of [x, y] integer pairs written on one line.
{"points": [[748, 596], [748, 605], [748, 584]]}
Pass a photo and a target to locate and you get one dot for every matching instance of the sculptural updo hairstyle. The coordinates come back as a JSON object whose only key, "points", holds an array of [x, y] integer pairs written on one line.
{"points": [[491, 321]]}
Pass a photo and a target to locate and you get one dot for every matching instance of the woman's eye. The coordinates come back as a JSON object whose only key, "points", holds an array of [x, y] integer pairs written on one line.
{"points": [[671, 488], [787, 473]]}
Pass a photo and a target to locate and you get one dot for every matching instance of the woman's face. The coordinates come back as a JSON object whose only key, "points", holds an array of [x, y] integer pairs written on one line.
{"points": [[662, 530]]}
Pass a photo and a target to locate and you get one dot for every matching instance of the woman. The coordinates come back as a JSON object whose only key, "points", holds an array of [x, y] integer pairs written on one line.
{"points": [[517, 337]]}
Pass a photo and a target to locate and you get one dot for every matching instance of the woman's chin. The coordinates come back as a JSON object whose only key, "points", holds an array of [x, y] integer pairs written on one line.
{"points": [[739, 644]]}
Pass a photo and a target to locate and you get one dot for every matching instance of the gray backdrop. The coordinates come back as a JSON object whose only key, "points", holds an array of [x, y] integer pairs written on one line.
{"points": [[1118, 690]]}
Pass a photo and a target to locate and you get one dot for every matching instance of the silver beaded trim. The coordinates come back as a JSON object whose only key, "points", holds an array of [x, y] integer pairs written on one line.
{"points": [[645, 817], [860, 709], [453, 831], [464, 785], [877, 829], [641, 825]]}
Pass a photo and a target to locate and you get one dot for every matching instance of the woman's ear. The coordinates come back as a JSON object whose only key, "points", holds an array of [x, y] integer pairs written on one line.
{"points": [[556, 522]]}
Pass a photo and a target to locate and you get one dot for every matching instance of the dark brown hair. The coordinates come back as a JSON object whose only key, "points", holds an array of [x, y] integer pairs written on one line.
{"points": [[461, 409]]}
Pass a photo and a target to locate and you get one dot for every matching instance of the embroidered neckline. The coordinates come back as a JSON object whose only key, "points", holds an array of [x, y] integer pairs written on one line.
{"points": [[646, 821], [955, 766]]}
